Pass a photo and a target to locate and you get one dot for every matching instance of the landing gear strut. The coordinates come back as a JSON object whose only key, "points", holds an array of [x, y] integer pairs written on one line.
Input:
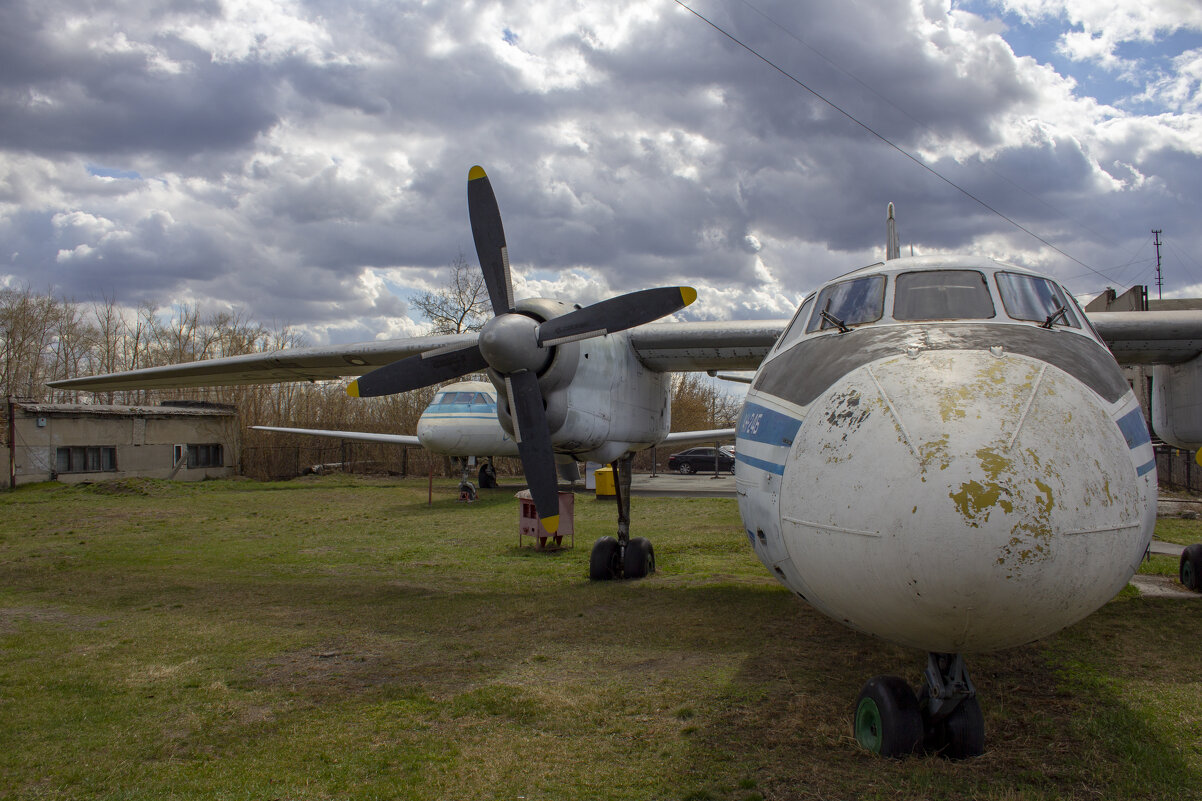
{"points": [[467, 491], [621, 557], [891, 720]]}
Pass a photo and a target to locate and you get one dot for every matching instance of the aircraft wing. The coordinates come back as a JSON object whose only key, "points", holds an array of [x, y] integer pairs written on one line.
{"points": [[712, 435], [361, 436], [294, 364], [1151, 337], [686, 347], [1146, 337], [665, 347]]}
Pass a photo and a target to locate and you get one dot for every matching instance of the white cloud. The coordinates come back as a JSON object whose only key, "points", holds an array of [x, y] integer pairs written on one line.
{"points": [[307, 162], [1105, 25]]}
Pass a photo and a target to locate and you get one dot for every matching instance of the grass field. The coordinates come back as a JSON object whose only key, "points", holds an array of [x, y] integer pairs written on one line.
{"points": [[337, 638]]}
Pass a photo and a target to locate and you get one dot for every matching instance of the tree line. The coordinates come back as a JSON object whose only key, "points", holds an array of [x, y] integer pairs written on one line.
{"points": [[46, 338]]}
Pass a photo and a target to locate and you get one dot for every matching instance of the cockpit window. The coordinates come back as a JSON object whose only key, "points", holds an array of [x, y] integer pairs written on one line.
{"points": [[464, 399], [854, 302], [797, 327], [942, 295], [1029, 297]]}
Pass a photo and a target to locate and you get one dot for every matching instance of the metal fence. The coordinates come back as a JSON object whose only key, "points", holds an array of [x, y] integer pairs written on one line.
{"points": [[282, 462], [1177, 469]]}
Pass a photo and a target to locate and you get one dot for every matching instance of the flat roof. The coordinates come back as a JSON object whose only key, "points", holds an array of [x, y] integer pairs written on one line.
{"points": [[106, 410]]}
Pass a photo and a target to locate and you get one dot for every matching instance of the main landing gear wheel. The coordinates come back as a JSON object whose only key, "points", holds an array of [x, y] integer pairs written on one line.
{"points": [[890, 721], [951, 713], [639, 559], [961, 735], [1190, 569], [621, 556], [887, 719], [604, 562]]}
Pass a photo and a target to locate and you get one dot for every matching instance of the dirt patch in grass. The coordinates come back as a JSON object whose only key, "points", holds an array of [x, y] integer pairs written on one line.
{"points": [[12, 619]]}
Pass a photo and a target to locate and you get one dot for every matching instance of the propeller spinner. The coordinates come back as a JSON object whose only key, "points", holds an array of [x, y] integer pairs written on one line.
{"points": [[518, 347]]}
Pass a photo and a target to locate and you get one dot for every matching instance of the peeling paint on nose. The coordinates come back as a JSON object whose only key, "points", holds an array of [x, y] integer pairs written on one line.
{"points": [[998, 484]]}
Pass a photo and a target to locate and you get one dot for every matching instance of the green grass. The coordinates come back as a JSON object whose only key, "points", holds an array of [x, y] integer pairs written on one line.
{"points": [[337, 638], [1179, 530]]}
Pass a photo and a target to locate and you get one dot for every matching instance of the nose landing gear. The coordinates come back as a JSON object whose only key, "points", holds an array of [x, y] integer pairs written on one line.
{"points": [[892, 721]]}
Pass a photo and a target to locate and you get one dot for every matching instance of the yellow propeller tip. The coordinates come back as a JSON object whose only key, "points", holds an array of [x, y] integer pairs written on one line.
{"points": [[475, 173], [688, 294], [551, 524], [352, 389]]}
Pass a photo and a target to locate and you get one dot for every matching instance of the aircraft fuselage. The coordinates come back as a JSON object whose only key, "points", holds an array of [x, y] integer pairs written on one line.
{"points": [[462, 421], [935, 463]]}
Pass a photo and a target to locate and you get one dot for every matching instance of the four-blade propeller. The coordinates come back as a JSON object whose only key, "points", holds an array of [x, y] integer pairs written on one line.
{"points": [[518, 347]]}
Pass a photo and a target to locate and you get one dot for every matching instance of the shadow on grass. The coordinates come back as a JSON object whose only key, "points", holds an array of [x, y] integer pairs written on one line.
{"points": [[1061, 721]]}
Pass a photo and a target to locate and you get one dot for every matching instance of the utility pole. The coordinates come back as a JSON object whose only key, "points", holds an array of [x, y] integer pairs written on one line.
{"points": [[12, 424], [1156, 232], [12, 444]]}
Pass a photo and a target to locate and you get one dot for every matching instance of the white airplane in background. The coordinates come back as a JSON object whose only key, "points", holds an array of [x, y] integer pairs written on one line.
{"points": [[461, 421], [940, 451]]}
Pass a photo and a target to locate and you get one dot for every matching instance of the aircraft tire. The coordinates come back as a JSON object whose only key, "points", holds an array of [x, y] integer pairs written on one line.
{"points": [[1190, 569], [603, 563], [639, 560], [961, 735], [887, 720]]}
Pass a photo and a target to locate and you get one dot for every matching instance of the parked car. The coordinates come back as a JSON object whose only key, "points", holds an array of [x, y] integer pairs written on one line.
{"points": [[701, 460]]}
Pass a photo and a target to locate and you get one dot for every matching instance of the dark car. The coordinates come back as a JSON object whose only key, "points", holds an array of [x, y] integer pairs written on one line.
{"points": [[701, 460]]}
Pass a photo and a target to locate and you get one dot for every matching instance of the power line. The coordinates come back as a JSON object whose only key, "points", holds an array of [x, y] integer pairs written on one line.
{"points": [[884, 139], [1133, 259], [901, 110]]}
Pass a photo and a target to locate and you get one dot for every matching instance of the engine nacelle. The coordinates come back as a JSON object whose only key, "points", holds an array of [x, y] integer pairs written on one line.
{"points": [[601, 401], [1177, 403]]}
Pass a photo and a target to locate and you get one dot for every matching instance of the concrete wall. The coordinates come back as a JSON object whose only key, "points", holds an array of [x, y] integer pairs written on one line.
{"points": [[144, 440]]}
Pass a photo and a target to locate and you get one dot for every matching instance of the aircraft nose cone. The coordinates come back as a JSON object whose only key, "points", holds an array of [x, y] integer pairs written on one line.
{"points": [[979, 500], [509, 343]]}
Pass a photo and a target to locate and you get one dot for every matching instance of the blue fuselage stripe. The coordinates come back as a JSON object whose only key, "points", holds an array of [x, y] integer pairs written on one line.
{"points": [[459, 416], [762, 464], [761, 424], [1134, 429]]}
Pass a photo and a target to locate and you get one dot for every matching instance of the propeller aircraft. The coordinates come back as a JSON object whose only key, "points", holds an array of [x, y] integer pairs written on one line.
{"points": [[461, 421], [939, 451]]}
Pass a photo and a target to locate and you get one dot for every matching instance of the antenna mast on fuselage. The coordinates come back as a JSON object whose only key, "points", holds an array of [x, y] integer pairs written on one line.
{"points": [[892, 248]]}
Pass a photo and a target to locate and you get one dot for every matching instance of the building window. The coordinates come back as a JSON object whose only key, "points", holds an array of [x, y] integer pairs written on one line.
{"points": [[81, 459], [205, 455]]}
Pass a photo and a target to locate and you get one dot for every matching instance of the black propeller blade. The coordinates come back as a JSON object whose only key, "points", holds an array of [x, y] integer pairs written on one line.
{"points": [[534, 445], [616, 314], [490, 240], [428, 368]]}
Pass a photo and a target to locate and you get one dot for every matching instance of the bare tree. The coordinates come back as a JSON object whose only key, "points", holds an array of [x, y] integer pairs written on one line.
{"points": [[29, 322], [462, 305], [698, 404]]}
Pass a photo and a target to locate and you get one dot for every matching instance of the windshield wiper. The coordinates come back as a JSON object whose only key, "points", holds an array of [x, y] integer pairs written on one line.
{"points": [[1061, 313], [827, 317]]}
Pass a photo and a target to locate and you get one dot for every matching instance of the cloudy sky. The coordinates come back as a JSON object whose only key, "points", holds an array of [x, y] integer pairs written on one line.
{"points": [[304, 162]]}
